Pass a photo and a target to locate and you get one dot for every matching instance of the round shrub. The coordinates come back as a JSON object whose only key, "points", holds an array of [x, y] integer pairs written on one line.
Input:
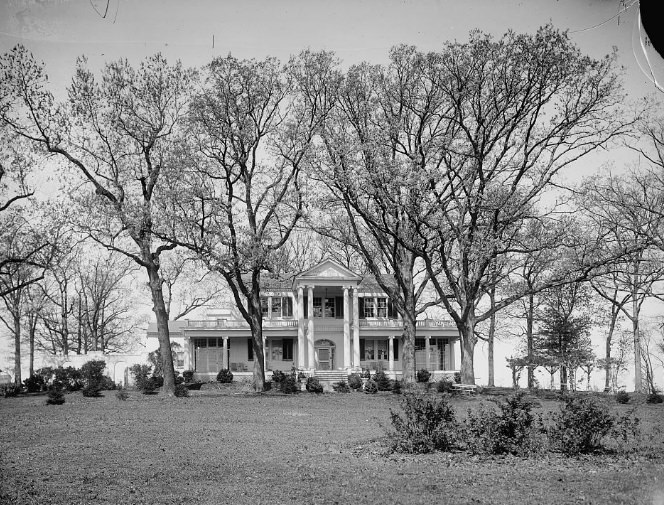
{"points": [[55, 397], [444, 385], [365, 374], [354, 381], [371, 388], [122, 394], [314, 385], [580, 426], [622, 397], [225, 376], [92, 390], [181, 391], [423, 375], [396, 387], [289, 385], [34, 384], [382, 381], [341, 387], [278, 376], [188, 375], [654, 398]]}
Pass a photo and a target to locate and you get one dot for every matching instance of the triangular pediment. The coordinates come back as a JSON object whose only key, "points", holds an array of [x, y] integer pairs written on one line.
{"points": [[329, 269]]}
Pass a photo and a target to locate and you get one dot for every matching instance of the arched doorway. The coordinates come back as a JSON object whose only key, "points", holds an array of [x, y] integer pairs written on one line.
{"points": [[324, 350]]}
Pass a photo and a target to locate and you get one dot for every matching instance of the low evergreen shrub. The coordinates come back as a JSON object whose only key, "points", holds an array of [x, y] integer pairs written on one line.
{"points": [[92, 390], [141, 375], [181, 391], [423, 375], [513, 429], [278, 376], [427, 424], [580, 426], [622, 397], [10, 390], [225, 376], [122, 394], [382, 381], [354, 381], [289, 385], [314, 385], [55, 397], [365, 373], [444, 385], [397, 387], [654, 398], [188, 375], [35, 384], [371, 388], [341, 387]]}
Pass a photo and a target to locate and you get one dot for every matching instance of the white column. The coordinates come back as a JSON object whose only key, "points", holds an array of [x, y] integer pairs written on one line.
{"points": [[269, 307], [264, 352], [225, 356], [426, 352], [300, 328], [310, 333], [347, 363], [356, 329], [390, 353]]}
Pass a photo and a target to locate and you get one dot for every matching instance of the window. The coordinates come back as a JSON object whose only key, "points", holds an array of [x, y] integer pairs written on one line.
{"points": [[250, 350], [340, 307], [264, 307], [419, 344], [318, 306], [329, 307], [277, 350], [368, 350], [381, 349], [369, 307], [286, 306], [179, 359], [287, 349], [382, 307]]}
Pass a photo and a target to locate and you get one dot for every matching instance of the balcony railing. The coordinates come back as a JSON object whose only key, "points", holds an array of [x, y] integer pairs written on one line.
{"points": [[225, 323], [398, 323]]}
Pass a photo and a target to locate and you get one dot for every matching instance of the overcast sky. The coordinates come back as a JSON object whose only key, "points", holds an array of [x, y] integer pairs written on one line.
{"points": [[58, 31]]}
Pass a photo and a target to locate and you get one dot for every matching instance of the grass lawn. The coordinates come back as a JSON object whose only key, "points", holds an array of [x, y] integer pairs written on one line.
{"points": [[215, 447]]}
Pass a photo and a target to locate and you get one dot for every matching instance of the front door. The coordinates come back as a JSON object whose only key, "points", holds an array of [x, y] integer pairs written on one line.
{"points": [[325, 358]]}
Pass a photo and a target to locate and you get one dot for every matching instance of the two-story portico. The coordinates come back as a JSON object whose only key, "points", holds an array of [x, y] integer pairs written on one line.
{"points": [[327, 318]]}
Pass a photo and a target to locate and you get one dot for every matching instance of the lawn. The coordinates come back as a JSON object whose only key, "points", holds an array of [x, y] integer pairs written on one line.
{"points": [[215, 447]]}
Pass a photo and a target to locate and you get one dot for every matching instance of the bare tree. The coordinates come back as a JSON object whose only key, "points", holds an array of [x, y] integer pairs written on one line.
{"points": [[252, 130], [118, 134]]}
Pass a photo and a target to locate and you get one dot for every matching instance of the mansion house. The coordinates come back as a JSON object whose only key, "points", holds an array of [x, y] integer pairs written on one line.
{"points": [[326, 320]]}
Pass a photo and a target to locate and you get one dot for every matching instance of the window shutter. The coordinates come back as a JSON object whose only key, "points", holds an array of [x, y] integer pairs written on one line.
{"points": [[360, 304], [391, 313], [361, 348], [306, 307], [340, 307], [396, 349]]}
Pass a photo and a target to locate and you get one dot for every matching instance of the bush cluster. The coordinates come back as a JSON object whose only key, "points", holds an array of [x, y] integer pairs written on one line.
{"points": [[341, 387], [286, 383], [423, 375], [444, 385], [225, 376], [382, 381], [371, 388], [428, 424], [181, 391], [35, 384], [580, 426], [654, 398], [188, 376], [313, 385], [55, 397], [355, 381], [622, 397]]}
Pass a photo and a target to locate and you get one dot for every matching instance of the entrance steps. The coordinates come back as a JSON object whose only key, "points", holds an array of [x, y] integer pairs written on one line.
{"points": [[331, 376]]}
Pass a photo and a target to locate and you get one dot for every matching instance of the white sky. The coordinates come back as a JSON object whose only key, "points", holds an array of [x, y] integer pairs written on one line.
{"points": [[57, 31]]}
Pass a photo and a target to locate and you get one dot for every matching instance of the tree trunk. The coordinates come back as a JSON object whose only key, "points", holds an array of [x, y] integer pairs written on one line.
{"points": [[607, 351], [32, 329], [563, 378], [17, 351], [491, 337], [468, 341], [638, 380], [530, 317], [408, 350], [159, 308], [256, 324]]}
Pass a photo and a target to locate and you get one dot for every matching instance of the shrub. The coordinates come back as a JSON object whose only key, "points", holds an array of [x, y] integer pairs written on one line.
{"points": [[141, 374], [354, 381], [35, 384], [314, 385], [92, 372], [580, 426], [382, 381], [225, 376], [428, 424], [179, 379], [92, 390], [289, 384], [371, 388], [457, 377], [654, 398], [122, 394], [188, 375], [107, 384], [11, 390], [55, 397], [68, 378], [444, 385], [622, 397], [423, 375], [514, 429], [365, 374], [396, 387], [278, 376], [341, 387], [181, 391], [157, 380]]}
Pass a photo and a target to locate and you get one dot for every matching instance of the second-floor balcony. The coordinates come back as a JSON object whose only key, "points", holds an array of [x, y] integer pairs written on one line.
{"points": [[293, 323]]}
